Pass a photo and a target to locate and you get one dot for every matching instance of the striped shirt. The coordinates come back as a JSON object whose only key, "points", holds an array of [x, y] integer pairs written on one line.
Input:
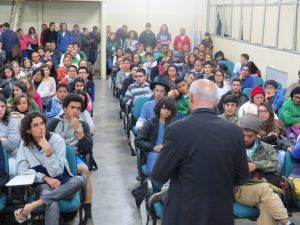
{"points": [[135, 90]]}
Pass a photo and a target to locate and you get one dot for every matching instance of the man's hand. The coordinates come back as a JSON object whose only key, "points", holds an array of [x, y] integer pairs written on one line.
{"points": [[157, 148], [273, 133], [252, 166], [45, 145], [3, 139], [52, 182], [75, 123]]}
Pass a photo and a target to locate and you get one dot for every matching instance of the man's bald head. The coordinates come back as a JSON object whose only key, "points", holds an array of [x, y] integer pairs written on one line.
{"points": [[204, 94]]}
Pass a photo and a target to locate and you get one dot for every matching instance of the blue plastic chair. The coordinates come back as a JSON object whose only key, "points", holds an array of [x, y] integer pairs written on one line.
{"points": [[259, 81], [247, 91], [230, 66], [138, 106], [3, 196], [289, 165]]}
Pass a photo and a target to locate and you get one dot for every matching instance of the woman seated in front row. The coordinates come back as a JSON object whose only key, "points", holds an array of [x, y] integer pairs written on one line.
{"points": [[43, 155], [150, 137]]}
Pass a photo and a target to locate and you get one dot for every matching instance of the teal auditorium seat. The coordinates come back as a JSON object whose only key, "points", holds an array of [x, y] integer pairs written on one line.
{"points": [[289, 165], [247, 91], [230, 66], [138, 105], [259, 81], [3, 196], [244, 211], [139, 102], [74, 203]]}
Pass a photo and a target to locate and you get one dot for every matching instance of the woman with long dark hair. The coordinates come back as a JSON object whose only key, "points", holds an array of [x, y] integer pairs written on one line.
{"points": [[164, 36], [9, 135], [150, 137], [33, 41], [219, 80], [43, 155], [131, 41]]}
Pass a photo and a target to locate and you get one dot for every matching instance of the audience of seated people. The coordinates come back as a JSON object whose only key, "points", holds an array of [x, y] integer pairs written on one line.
{"points": [[140, 66], [41, 83]]}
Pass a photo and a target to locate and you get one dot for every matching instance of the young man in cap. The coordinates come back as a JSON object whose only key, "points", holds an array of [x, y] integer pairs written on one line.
{"points": [[261, 158], [160, 88]]}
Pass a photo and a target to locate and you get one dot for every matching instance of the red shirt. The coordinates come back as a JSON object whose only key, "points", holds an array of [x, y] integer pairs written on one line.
{"points": [[185, 41]]}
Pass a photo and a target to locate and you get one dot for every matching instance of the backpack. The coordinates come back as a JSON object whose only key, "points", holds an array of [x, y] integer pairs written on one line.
{"points": [[88, 158]]}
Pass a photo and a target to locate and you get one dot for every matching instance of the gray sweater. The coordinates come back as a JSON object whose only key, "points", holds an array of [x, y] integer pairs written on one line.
{"points": [[29, 157], [11, 133]]}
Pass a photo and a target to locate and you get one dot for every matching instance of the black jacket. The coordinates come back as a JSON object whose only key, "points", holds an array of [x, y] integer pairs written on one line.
{"points": [[49, 36], [242, 98], [126, 83], [204, 156], [147, 136], [148, 39]]}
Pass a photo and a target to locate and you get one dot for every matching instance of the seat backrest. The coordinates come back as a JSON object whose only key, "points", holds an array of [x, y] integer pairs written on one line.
{"points": [[247, 91], [289, 164], [70, 155], [4, 171], [259, 81], [230, 66], [139, 102]]}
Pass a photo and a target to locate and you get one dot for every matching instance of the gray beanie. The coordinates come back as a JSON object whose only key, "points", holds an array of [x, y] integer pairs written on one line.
{"points": [[250, 122]]}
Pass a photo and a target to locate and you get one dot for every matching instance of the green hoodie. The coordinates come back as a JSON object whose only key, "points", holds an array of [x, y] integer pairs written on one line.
{"points": [[290, 113]]}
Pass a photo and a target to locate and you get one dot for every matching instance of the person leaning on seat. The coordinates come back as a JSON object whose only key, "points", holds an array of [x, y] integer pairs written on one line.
{"points": [[43, 154], [76, 133], [262, 159]]}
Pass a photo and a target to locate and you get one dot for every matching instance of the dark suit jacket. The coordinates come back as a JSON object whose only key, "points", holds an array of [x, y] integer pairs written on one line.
{"points": [[204, 156]]}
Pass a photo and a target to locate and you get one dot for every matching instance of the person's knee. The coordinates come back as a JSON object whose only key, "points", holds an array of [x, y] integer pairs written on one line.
{"points": [[83, 168]]}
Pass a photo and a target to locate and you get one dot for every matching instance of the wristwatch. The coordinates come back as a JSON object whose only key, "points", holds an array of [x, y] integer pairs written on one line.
{"points": [[78, 130]]}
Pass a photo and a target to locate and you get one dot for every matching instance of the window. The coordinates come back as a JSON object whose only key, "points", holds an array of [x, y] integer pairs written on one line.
{"points": [[270, 23]]}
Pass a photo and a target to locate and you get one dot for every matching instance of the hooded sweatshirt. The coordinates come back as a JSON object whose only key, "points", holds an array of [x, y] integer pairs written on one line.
{"points": [[63, 127], [30, 157]]}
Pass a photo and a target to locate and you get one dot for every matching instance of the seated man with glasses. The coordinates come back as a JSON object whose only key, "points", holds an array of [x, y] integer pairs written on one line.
{"points": [[247, 80]]}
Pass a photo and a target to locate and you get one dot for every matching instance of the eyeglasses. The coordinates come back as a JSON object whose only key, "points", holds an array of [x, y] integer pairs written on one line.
{"points": [[260, 111]]}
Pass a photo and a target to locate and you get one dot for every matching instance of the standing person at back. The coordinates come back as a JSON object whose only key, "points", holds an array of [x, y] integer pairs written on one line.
{"points": [[181, 39], [9, 39], [147, 37], [204, 158]]}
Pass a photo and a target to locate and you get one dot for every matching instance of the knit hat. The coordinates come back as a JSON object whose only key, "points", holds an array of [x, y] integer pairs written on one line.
{"points": [[250, 122], [177, 54], [257, 90]]}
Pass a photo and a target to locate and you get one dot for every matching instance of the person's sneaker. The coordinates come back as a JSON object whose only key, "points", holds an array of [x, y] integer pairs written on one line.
{"points": [[88, 221], [156, 197]]}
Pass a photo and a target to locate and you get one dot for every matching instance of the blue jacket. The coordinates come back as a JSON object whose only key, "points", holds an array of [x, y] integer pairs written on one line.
{"points": [[54, 107], [249, 82], [9, 39], [278, 100], [62, 42]]}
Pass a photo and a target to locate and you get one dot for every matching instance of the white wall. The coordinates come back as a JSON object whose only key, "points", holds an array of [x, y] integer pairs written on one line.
{"points": [[86, 14], [189, 14]]}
